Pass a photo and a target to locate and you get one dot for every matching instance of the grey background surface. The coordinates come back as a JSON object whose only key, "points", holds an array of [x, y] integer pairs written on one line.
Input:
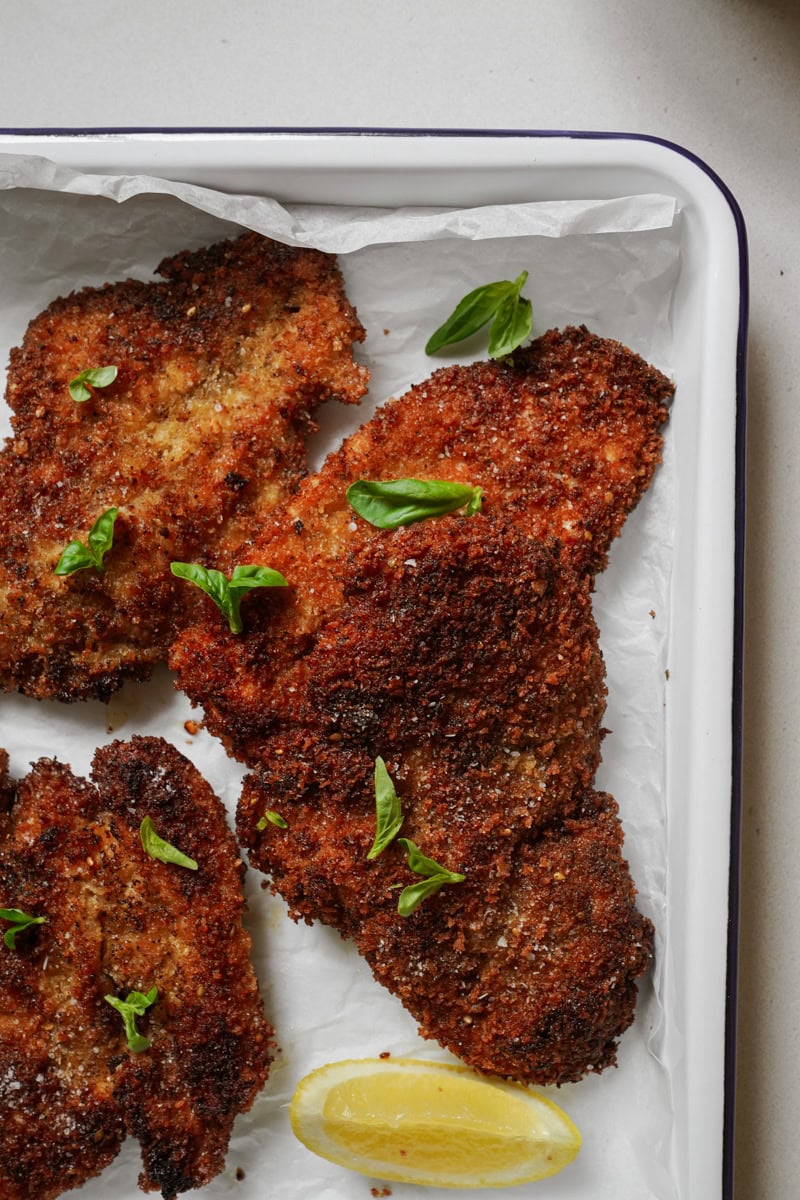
{"points": [[719, 77]]}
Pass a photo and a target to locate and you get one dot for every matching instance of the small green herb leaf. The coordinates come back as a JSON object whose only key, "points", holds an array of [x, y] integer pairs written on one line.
{"points": [[412, 896], [470, 314], [212, 582], [435, 877], [391, 503], [156, 847], [271, 817], [511, 326], [510, 314], [74, 557], [227, 593], [388, 814], [95, 377], [420, 864], [19, 921], [133, 1006], [77, 556]]}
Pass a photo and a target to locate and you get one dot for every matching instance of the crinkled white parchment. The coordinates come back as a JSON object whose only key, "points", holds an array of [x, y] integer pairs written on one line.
{"points": [[610, 264]]}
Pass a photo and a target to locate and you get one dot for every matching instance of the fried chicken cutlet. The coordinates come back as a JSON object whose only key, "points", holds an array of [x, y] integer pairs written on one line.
{"points": [[463, 652], [564, 440], [117, 921], [220, 367], [466, 657]]}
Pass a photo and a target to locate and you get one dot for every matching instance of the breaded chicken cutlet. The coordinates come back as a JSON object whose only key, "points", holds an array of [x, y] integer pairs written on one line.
{"points": [[220, 367], [118, 921], [563, 439], [466, 657], [463, 652]]}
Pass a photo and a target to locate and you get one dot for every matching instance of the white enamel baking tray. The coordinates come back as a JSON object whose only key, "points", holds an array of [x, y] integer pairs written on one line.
{"points": [[709, 319]]}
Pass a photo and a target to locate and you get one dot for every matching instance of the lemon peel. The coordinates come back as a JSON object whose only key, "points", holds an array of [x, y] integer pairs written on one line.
{"points": [[413, 1121]]}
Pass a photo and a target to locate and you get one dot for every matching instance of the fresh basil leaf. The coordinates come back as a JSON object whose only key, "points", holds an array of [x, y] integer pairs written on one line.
{"points": [[157, 848], [510, 327], [227, 594], [77, 556], [420, 864], [476, 503], [388, 504], [470, 314], [243, 579], [271, 817], [212, 582], [19, 922], [101, 536], [501, 303], [74, 557], [96, 377], [436, 876], [412, 896], [78, 390], [252, 576], [388, 813], [133, 1006]]}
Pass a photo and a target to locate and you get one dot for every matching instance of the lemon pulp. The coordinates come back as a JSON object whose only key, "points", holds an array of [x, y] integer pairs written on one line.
{"points": [[431, 1123]]}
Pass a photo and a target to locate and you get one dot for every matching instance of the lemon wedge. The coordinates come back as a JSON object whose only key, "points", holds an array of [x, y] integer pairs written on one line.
{"points": [[430, 1123]]}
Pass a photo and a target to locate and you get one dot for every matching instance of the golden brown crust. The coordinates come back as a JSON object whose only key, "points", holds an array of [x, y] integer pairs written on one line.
{"points": [[464, 652], [466, 656], [539, 983], [220, 369], [564, 441], [527, 969], [120, 921], [563, 437], [442, 623]]}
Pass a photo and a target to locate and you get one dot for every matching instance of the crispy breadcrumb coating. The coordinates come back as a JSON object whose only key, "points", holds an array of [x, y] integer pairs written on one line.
{"points": [[118, 921], [220, 368], [475, 674], [463, 651], [564, 440]]}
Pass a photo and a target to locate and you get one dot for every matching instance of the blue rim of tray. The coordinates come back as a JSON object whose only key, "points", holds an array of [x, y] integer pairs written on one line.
{"points": [[739, 498]]}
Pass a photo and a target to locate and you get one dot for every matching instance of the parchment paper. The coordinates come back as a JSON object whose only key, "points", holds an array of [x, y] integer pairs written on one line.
{"points": [[609, 264]]}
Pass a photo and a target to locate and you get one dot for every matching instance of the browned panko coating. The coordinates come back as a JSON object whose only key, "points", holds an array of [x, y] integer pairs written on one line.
{"points": [[475, 674], [442, 624], [564, 440], [221, 366], [118, 921], [463, 651]]}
